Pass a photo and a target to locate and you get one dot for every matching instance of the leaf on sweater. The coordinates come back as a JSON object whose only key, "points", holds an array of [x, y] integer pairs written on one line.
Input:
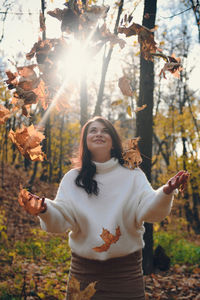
{"points": [[131, 154], [27, 140], [76, 294], [124, 85], [4, 114], [109, 239]]}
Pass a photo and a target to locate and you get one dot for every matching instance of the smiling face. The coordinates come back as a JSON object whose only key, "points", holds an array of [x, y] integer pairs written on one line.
{"points": [[99, 142]]}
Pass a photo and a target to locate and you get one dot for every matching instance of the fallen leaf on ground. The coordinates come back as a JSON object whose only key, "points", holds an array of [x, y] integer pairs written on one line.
{"points": [[109, 239]]}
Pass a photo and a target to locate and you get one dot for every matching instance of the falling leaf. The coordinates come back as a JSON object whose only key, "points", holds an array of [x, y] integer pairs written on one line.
{"points": [[109, 239], [131, 154], [69, 19], [104, 34], [124, 85], [74, 292], [173, 65], [117, 102], [4, 114], [145, 38], [129, 111], [140, 108], [42, 22], [27, 140]]}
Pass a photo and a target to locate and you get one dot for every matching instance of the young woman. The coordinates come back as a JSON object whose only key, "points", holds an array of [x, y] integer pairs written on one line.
{"points": [[104, 205]]}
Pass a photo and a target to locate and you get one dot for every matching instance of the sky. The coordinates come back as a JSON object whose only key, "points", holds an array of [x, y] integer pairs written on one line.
{"points": [[22, 31]]}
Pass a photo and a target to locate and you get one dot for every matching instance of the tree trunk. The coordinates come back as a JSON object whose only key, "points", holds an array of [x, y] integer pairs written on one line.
{"points": [[106, 61], [144, 126], [83, 100]]}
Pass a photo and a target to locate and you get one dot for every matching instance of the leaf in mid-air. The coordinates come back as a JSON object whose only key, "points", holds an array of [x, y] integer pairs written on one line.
{"points": [[4, 114], [131, 154], [27, 140], [124, 85]]}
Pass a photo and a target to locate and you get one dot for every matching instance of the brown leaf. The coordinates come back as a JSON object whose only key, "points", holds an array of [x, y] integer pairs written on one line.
{"points": [[4, 114], [27, 141], [145, 38], [69, 19], [124, 85], [109, 239], [104, 34], [131, 154], [76, 294], [23, 196], [42, 22], [173, 65]]}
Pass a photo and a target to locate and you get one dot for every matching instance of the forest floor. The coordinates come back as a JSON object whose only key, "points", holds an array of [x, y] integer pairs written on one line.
{"points": [[34, 265]]}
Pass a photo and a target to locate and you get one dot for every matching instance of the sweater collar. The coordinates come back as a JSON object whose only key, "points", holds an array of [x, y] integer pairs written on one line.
{"points": [[106, 166]]}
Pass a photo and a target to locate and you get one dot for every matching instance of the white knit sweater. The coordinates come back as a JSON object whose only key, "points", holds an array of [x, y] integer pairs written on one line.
{"points": [[125, 199]]}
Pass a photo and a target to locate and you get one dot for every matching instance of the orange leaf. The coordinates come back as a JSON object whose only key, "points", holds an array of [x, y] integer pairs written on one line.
{"points": [[140, 108], [27, 141], [131, 154], [124, 85], [109, 239], [4, 114], [23, 196]]}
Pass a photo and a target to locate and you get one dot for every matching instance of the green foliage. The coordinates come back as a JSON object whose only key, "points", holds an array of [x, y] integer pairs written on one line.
{"points": [[177, 248], [37, 266]]}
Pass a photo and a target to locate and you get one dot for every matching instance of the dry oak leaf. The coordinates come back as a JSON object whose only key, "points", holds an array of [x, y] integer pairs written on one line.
{"points": [[25, 78], [25, 198], [124, 85], [4, 114], [108, 238], [145, 38], [104, 34], [27, 140], [74, 292], [131, 154], [173, 65]]}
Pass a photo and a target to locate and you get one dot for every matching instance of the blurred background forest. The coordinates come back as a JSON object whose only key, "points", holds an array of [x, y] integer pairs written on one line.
{"points": [[60, 64]]}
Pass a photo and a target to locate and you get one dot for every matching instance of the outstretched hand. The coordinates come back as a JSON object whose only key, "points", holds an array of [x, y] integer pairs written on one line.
{"points": [[31, 203], [179, 180]]}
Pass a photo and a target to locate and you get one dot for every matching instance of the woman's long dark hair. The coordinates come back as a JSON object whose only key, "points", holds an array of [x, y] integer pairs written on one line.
{"points": [[87, 167]]}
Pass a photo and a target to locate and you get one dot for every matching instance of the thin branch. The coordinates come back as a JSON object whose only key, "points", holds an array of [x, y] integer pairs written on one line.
{"points": [[182, 12]]}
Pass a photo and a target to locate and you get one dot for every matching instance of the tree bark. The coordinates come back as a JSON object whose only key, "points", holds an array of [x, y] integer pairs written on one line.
{"points": [[144, 126], [106, 61]]}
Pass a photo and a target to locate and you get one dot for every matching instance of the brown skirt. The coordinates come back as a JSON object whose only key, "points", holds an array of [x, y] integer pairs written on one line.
{"points": [[117, 278]]}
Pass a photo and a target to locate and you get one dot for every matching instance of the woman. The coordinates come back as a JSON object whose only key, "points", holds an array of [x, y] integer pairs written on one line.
{"points": [[104, 205]]}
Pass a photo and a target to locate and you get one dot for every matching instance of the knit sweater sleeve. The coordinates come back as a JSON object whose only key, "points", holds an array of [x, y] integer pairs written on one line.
{"points": [[153, 205], [59, 215]]}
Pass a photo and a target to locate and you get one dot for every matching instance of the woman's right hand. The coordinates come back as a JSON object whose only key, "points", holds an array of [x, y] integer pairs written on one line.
{"points": [[32, 204]]}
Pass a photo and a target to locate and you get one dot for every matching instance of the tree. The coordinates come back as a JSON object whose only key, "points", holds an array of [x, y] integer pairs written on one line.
{"points": [[144, 125]]}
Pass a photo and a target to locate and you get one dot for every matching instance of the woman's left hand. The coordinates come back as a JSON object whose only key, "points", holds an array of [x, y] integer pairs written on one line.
{"points": [[179, 180]]}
